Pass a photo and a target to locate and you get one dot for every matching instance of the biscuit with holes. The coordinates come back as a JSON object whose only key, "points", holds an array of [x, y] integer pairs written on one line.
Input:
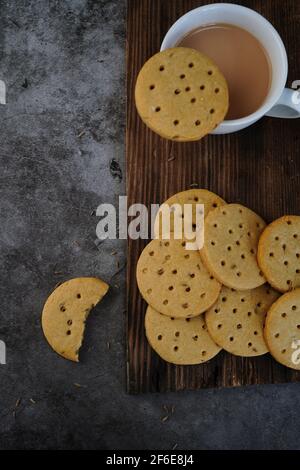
{"points": [[231, 235], [174, 281], [282, 329], [235, 322], [194, 197], [65, 313], [181, 94], [178, 340], [279, 253]]}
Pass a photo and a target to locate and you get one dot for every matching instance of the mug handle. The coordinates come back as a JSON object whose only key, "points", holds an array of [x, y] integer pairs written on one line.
{"points": [[288, 105]]}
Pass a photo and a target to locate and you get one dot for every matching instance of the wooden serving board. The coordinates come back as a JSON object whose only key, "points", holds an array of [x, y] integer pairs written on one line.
{"points": [[258, 167]]}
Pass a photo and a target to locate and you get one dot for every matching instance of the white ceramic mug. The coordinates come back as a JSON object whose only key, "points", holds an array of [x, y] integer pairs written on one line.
{"points": [[280, 102]]}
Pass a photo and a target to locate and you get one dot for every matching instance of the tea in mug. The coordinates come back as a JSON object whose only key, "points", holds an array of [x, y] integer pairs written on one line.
{"points": [[243, 61]]}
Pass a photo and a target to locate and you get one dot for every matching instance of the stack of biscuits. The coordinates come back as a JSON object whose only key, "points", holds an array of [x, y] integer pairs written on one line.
{"points": [[239, 292]]}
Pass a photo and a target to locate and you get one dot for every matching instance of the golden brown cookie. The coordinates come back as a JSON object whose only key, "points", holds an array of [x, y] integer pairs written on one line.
{"points": [[174, 207], [181, 94], [178, 340], [65, 312], [174, 281], [282, 329], [230, 246], [279, 253], [235, 322]]}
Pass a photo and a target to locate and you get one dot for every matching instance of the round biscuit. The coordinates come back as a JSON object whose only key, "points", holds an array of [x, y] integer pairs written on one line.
{"points": [[194, 197], [181, 94], [178, 340], [279, 253], [236, 320], [231, 236], [174, 281], [282, 329]]}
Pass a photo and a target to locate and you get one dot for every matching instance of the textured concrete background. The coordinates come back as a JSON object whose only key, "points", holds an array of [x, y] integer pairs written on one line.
{"points": [[63, 63]]}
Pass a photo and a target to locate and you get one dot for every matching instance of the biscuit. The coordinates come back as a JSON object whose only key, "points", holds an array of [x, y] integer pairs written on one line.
{"points": [[65, 312], [181, 95], [192, 196], [235, 322], [179, 341], [231, 236], [174, 281], [282, 329], [279, 253]]}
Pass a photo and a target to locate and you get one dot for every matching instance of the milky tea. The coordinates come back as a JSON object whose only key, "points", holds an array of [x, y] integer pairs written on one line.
{"points": [[242, 60]]}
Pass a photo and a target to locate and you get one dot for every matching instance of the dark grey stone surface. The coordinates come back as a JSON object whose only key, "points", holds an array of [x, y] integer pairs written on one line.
{"points": [[63, 64]]}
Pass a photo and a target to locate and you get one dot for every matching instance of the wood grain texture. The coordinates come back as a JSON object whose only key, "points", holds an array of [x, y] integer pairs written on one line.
{"points": [[258, 167]]}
